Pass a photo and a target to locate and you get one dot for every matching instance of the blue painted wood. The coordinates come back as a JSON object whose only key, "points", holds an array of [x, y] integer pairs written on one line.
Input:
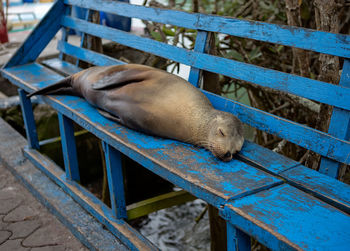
{"points": [[265, 159], [326, 188], [121, 229], [88, 55], [201, 45], [60, 66], [236, 239], [317, 90], [28, 118], [328, 43], [65, 31], [299, 134], [40, 37], [93, 235], [286, 218], [210, 179], [68, 148], [339, 126], [115, 181]]}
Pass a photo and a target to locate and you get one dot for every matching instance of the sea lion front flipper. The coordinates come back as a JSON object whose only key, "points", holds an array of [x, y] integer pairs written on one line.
{"points": [[109, 116], [118, 79], [64, 85]]}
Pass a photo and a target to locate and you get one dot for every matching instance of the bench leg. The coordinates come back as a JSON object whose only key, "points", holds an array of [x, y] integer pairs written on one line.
{"points": [[236, 239], [68, 148], [115, 180], [29, 122]]}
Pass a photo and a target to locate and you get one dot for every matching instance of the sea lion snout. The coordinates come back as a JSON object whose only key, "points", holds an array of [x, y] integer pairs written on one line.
{"points": [[226, 136]]}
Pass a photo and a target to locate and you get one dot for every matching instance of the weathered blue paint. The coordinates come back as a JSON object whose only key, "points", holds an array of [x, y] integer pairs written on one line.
{"points": [[250, 190], [87, 55], [264, 158], [339, 126], [40, 37], [328, 43], [60, 66], [68, 148], [115, 181], [317, 90], [28, 118], [200, 45], [301, 135], [82, 224], [236, 239], [286, 218], [322, 186], [121, 229]]}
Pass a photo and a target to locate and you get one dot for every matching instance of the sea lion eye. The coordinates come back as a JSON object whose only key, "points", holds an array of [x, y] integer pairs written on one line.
{"points": [[222, 133]]}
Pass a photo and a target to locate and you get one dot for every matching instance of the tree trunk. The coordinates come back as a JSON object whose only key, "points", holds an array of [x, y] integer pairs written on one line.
{"points": [[91, 42], [217, 230], [294, 19], [327, 19]]}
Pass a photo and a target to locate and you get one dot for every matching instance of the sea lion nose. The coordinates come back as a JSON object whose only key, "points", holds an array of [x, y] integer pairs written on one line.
{"points": [[227, 155]]}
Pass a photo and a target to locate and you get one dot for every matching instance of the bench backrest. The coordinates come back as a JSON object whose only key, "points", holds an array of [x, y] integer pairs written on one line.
{"points": [[334, 146]]}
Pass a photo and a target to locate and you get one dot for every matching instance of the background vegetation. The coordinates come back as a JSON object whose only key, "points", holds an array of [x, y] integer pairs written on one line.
{"points": [[332, 15]]}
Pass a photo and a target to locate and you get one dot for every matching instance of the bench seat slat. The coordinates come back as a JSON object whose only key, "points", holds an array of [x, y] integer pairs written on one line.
{"points": [[326, 188], [266, 159], [316, 90], [328, 43], [192, 168], [61, 66], [286, 218], [320, 185]]}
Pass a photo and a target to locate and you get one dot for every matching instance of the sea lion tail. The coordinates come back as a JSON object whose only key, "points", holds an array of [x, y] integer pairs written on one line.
{"points": [[54, 88]]}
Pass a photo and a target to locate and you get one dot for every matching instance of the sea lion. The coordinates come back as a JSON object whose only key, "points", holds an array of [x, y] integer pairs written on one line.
{"points": [[157, 103]]}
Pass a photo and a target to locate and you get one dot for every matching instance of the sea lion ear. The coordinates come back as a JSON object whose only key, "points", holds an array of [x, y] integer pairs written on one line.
{"points": [[221, 131]]}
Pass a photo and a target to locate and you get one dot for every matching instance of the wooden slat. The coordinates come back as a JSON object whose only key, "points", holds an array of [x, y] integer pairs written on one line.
{"points": [[322, 186], [339, 126], [265, 159], [304, 136], [69, 148], [121, 229], [93, 235], [284, 218], [328, 43], [236, 239], [191, 168], [299, 134], [200, 46], [114, 170], [60, 66], [167, 200], [87, 55], [29, 121], [40, 37], [316, 90]]}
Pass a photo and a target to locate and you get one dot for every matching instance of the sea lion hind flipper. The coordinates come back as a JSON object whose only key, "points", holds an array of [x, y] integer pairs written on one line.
{"points": [[63, 84], [118, 79], [109, 115]]}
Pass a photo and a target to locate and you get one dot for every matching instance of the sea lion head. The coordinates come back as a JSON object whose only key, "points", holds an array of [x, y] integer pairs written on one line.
{"points": [[225, 136]]}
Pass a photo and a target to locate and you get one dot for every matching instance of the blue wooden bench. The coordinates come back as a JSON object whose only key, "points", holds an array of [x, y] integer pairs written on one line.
{"points": [[260, 193]]}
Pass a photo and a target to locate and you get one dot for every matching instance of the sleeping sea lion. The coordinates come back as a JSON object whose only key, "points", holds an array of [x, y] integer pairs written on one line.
{"points": [[157, 103]]}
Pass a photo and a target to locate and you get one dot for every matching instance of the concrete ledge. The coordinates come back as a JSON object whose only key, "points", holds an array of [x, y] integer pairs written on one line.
{"points": [[89, 231]]}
